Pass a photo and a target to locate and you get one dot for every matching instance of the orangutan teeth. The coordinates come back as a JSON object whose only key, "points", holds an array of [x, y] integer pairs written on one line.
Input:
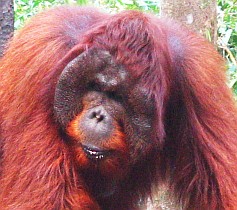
{"points": [[92, 154]]}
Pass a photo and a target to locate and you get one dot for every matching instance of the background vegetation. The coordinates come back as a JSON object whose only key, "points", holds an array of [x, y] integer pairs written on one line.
{"points": [[227, 22], [227, 42]]}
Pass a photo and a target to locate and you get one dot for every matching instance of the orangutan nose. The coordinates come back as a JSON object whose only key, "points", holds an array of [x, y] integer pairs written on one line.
{"points": [[98, 115], [97, 124]]}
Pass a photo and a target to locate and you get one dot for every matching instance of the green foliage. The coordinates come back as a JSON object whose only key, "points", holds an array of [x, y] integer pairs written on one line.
{"points": [[228, 37], [26, 8], [145, 5]]}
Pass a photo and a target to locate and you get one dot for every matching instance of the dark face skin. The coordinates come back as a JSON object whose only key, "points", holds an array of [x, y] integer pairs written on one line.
{"points": [[105, 113]]}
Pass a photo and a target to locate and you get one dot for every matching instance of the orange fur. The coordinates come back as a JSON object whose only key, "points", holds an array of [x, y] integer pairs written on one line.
{"points": [[193, 148], [109, 167], [73, 129]]}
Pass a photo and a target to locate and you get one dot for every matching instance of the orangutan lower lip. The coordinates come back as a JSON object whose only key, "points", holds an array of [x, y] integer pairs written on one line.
{"points": [[94, 153]]}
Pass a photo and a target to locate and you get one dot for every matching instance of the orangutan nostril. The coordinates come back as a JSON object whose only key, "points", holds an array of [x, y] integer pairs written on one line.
{"points": [[98, 115]]}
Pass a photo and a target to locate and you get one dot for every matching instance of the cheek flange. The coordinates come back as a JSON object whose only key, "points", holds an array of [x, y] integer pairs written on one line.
{"points": [[74, 80]]}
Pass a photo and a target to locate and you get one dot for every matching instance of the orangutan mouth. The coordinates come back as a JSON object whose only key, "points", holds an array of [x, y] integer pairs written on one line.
{"points": [[95, 153]]}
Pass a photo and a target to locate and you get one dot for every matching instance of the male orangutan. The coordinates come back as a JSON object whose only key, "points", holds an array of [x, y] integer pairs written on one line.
{"points": [[97, 109]]}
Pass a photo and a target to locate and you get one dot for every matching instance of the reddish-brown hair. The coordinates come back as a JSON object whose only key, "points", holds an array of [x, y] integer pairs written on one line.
{"points": [[195, 144]]}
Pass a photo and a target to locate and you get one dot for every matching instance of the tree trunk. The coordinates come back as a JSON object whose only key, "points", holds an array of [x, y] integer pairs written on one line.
{"points": [[200, 15], [6, 23]]}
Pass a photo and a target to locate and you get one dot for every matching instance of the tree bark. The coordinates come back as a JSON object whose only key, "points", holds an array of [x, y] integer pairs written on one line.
{"points": [[200, 15], [6, 23]]}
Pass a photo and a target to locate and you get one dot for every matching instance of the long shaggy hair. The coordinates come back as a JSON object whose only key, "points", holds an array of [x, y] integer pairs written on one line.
{"points": [[194, 144]]}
